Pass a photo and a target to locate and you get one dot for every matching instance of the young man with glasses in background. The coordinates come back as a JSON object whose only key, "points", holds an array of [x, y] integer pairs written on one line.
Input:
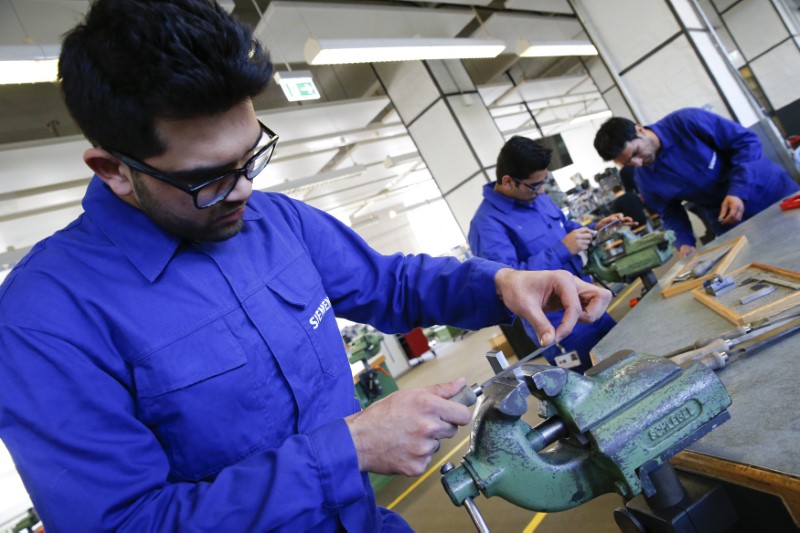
{"points": [[170, 360], [518, 225]]}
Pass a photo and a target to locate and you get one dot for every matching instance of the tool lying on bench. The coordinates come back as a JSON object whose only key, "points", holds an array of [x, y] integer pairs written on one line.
{"points": [[700, 268]]}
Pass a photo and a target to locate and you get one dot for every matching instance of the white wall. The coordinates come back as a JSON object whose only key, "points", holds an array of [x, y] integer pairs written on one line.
{"points": [[579, 140]]}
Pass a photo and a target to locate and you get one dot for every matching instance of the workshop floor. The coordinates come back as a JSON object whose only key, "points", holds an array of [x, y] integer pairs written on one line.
{"points": [[423, 502]]}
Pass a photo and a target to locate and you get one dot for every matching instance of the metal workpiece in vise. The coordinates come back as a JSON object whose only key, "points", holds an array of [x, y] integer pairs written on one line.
{"points": [[610, 430], [622, 256]]}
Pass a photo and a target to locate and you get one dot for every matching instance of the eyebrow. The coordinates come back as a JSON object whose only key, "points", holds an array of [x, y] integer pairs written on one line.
{"points": [[200, 172]]}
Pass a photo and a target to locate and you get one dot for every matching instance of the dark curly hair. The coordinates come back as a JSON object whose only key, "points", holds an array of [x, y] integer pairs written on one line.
{"points": [[134, 61]]}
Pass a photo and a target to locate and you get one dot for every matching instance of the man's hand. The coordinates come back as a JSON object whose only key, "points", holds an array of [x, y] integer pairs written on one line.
{"points": [[400, 433], [530, 294], [625, 221], [686, 250], [732, 210], [578, 240]]}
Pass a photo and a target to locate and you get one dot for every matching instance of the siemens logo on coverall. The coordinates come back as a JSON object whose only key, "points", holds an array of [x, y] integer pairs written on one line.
{"points": [[320, 312]]}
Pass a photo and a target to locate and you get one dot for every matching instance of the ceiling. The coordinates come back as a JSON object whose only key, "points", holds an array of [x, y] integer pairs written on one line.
{"points": [[348, 152]]}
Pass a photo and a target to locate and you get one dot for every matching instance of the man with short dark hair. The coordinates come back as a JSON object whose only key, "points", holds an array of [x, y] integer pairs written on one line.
{"points": [[170, 360], [694, 155], [518, 225]]}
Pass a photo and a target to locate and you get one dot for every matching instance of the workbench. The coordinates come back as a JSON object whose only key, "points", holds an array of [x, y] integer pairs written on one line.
{"points": [[759, 447]]}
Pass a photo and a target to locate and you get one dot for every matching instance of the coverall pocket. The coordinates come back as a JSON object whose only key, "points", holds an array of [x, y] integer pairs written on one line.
{"points": [[199, 399], [541, 236]]}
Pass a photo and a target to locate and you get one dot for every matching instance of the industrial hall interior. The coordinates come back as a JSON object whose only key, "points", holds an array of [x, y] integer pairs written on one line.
{"points": [[556, 242]]}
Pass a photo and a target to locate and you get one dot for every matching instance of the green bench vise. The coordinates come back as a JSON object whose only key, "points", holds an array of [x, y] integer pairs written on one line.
{"points": [[610, 430], [365, 346], [623, 256]]}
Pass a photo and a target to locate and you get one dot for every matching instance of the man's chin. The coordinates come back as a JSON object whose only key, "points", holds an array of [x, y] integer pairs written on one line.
{"points": [[226, 232]]}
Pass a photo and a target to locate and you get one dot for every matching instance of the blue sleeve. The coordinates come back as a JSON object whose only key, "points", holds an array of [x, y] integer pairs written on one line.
{"points": [[556, 257], [571, 225], [91, 465], [396, 293], [738, 145], [490, 240]]}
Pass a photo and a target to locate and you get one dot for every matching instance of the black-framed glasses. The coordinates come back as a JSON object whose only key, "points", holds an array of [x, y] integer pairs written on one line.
{"points": [[214, 190], [532, 186]]}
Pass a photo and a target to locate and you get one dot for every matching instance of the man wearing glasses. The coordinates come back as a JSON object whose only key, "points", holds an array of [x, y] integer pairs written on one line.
{"points": [[171, 360], [520, 226]]}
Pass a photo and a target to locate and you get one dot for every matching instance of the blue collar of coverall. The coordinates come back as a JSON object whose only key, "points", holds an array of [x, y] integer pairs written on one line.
{"points": [[146, 245], [504, 203]]}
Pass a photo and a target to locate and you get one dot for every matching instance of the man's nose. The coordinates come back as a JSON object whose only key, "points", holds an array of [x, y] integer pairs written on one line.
{"points": [[242, 191]]}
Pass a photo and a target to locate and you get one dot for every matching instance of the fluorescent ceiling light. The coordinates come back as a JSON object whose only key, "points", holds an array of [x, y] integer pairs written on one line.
{"points": [[527, 48], [339, 51], [394, 160], [594, 116], [33, 71], [364, 222], [297, 85], [28, 63]]}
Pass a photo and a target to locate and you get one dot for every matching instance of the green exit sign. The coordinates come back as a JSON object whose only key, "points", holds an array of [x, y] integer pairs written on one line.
{"points": [[297, 85]]}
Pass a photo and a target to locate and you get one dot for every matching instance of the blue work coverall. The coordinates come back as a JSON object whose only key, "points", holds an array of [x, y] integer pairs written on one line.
{"points": [[156, 384], [528, 237], [703, 158]]}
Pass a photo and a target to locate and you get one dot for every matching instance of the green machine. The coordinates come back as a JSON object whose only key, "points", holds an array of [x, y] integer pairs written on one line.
{"points": [[364, 346], [372, 383], [617, 254], [610, 430]]}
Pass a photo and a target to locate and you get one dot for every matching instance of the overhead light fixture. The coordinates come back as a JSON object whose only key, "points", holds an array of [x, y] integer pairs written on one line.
{"points": [[364, 222], [317, 179], [527, 48], [28, 64], [393, 160], [594, 116], [297, 85], [398, 209], [340, 51]]}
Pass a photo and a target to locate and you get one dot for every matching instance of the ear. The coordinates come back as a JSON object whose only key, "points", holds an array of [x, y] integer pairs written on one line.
{"points": [[640, 130], [111, 170], [507, 181]]}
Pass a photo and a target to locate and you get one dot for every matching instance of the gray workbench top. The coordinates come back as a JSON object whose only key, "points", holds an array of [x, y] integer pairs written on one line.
{"points": [[764, 429]]}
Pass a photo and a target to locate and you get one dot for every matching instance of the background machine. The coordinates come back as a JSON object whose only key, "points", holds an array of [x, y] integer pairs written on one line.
{"points": [[617, 254]]}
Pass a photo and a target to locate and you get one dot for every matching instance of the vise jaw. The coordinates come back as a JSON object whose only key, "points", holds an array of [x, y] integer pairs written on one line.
{"points": [[630, 256], [604, 431]]}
